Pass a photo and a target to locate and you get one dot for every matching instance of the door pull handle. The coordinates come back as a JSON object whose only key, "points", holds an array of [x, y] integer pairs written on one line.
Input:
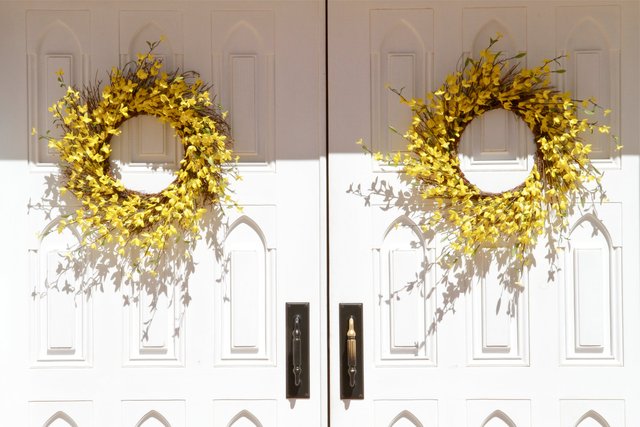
{"points": [[297, 340], [352, 353], [296, 337]]}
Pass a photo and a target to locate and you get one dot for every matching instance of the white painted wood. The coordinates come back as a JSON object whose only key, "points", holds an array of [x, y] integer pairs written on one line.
{"points": [[497, 142], [61, 322], [149, 335], [415, 413], [55, 40], [267, 58], [497, 320], [246, 288], [186, 367], [140, 413], [243, 55], [401, 58], [592, 413], [60, 413], [593, 65], [146, 145], [469, 375], [233, 413], [499, 413], [145, 154], [403, 307], [591, 292]]}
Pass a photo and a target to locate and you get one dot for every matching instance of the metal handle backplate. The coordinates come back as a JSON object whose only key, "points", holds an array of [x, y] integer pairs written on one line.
{"points": [[297, 335], [351, 355]]}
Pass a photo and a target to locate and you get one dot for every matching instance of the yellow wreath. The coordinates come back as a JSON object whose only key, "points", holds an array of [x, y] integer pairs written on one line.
{"points": [[112, 213], [469, 216]]}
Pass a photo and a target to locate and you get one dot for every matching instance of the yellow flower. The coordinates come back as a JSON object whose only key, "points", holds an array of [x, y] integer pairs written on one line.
{"points": [[469, 217], [111, 213]]}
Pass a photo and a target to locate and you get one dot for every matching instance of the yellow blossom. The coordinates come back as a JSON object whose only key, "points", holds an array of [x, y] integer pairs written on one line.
{"points": [[561, 172], [111, 213]]}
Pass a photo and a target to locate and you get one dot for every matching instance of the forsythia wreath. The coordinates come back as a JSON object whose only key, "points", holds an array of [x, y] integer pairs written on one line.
{"points": [[470, 217], [112, 213]]}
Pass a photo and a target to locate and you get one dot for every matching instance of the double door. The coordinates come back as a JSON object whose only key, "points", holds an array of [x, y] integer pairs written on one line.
{"points": [[303, 81]]}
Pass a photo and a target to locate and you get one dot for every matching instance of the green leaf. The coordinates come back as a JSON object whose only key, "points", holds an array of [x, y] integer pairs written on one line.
{"points": [[520, 55], [560, 71]]}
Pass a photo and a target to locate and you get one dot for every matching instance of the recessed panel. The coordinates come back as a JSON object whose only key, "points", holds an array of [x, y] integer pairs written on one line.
{"points": [[404, 309], [61, 326], [404, 295], [592, 413], [139, 27], [61, 310], [499, 413], [591, 295], [152, 137], [243, 98], [245, 413], [497, 318], [144, 154], [247, 285], [243, 56], [406, 413], [496, 333], [147, 145], [153, 413], [401, 43], [60, 413], [401, 75], [588, 75], [480, 24], [591, 300], [591, 38], [57, 41], [245, 289], [496, 149], [53, 90], [154, 327]]}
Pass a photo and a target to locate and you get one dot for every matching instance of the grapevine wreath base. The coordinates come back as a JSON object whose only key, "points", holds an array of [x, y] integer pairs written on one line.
{"points": [[111, 213], [562, 173]]}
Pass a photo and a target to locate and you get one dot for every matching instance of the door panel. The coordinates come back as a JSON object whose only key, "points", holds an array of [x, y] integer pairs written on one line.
{"points": [[559, 353], [566, 355], [110, 359]]}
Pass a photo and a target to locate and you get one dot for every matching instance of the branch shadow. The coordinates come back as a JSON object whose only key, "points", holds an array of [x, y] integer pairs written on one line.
{"points": [[159, 284], [449, 274]]}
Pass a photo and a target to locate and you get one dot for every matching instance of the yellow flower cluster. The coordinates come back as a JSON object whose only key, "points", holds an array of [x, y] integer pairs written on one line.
{"points": [[515, 218], [110, 213]]}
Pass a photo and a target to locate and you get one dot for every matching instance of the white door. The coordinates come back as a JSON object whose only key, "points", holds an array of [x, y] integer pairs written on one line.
{"points": [[569, 355], [73, 361]]}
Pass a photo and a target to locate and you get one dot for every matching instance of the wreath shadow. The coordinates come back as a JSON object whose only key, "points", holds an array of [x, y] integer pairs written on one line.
{"points": [[496, 265], [81, 271]]}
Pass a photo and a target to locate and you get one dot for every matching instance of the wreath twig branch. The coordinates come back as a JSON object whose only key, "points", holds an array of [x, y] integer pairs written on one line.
{"points": [[472, 219], [141, 225]]}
